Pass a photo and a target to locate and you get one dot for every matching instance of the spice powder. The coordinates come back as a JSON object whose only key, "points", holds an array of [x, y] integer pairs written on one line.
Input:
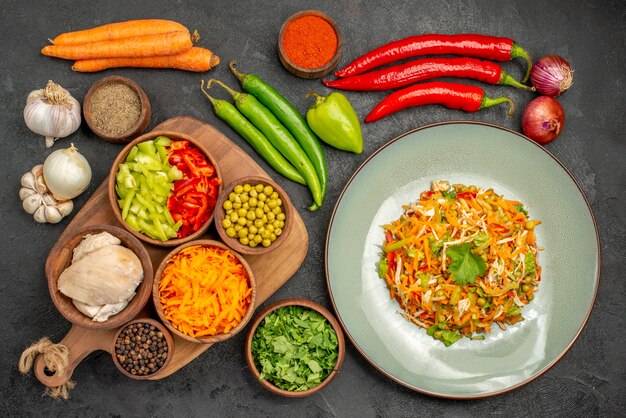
{"points": [[115, 108], [310, 42]]}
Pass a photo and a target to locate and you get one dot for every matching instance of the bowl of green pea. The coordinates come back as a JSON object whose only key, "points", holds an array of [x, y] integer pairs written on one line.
{"points": [[253, 215]]}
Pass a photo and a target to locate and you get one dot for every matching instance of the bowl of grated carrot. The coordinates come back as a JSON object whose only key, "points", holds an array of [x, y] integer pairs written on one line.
{"points": [[204, 292]]}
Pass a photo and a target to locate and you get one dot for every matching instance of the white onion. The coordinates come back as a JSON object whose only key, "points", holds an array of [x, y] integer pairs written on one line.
{"points": [[66, 173]]}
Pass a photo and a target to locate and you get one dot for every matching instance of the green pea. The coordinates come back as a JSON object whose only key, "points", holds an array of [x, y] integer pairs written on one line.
{"points": [[245, 205], [258, 222], [231, 232], [437, 334], [262, 197], [276, 224], [272, 237], [237, 227], [277, 210], [266, 242], [268, 190], [253, 202], [228, 205], [242, 221], [258, 212], [257, 239], [278, 232], [226, 223], [525, 288], [233, 217], [272, 203], [266, 209], [280, 216], [481, 302], [440, 294], [244, 198], [271, 216], [252, 244], [253, 193], [232, 196], [266, 234], [238, 189], [259, 187], [274, 195], [244, 241], [251, 216], [243, 232], [253, 229], [247, 187]]}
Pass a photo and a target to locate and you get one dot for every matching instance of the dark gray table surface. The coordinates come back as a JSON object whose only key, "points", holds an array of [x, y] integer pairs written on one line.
{"points": [[590, 380]]}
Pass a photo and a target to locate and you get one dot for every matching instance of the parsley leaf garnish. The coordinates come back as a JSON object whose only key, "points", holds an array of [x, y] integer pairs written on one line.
{"points": [[521, 209], [466, 265]]}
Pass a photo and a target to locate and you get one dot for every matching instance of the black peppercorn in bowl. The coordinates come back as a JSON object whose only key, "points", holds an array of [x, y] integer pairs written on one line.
{"points": [[142, 348]]}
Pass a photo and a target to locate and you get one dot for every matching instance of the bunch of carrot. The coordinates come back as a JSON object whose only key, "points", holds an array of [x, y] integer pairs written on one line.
{"points": [[147, 43]]}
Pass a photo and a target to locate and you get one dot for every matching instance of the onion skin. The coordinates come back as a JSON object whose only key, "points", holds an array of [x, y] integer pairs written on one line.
{"points": [[551, 75], [543, 120]]}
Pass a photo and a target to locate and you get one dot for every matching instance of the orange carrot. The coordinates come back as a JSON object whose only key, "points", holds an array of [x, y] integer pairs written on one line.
{"points": [[119, 30], [204, 290], [136, 46], [195, 59]]}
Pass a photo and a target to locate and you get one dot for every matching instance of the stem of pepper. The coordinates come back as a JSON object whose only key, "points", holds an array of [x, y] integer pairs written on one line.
{"points": [[519, 52], [488, 102], [236, 95], [507, 80], [318, 99]]}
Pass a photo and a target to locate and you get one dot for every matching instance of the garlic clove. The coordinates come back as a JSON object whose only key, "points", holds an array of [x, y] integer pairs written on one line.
{"points": [[40, 185], [65, 207], [28, 180], [52, 214], [25, 192], [32, 203], [40, 215], [48, 200], [37, 170]]}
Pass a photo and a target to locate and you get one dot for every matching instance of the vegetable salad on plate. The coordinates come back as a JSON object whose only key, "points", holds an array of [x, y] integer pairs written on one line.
{"points": [[461, 260]]}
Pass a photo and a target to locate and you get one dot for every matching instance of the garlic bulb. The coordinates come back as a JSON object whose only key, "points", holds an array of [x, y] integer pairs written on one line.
{"points": [[52, 112], [39, 202]]}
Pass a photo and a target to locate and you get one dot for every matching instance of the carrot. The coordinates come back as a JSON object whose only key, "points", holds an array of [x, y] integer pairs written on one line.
{"points": [[204, 290], [195, 59], [136, 46], [119, 30]]}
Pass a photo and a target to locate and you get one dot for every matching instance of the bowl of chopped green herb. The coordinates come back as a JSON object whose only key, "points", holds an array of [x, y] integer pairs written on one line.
{"points": [[295, 347]]}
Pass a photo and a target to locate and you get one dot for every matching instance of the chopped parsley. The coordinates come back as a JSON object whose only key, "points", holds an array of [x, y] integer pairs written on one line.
{"points": [[466, 265]]}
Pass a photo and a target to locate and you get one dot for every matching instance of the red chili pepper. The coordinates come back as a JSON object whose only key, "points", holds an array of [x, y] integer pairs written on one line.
{"points": [[451, 95], [466, 195], [470, 45], [499, 228], [425, 69]]}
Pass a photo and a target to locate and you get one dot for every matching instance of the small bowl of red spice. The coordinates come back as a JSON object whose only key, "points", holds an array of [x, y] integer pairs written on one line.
{"points": [[309, 44]]}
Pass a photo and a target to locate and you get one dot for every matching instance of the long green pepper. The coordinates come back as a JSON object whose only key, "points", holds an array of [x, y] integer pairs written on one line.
{"points": [[289, 116], [229, 114], [279, 137]]}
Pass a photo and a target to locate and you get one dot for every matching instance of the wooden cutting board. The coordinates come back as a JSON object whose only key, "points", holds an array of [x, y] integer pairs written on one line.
{"points": [[269, 274]]}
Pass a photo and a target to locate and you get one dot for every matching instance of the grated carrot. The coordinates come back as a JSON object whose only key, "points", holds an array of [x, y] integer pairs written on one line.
{"points": [[204, 290]]}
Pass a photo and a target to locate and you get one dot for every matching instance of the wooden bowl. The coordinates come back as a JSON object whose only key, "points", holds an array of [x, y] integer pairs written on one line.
{"points": [[211, 338], [60, 258], [137, 129], [303, 72], [168, 339], [341, 346], [174, 136], [220, 214]]}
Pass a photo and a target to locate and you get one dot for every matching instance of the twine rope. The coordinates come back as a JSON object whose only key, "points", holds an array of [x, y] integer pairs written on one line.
{"points": [[56, 357]]}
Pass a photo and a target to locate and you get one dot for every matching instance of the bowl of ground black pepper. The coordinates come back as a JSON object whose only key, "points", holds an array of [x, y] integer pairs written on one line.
{"points": [[142, 347], [309, 44], [116, 109]]}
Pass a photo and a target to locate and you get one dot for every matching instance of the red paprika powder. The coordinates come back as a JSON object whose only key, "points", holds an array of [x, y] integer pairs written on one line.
{"points": [[309, 42]]}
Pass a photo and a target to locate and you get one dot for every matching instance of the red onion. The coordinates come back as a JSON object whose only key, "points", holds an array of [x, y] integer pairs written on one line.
{"points": [[543, 119], [551, 75]]}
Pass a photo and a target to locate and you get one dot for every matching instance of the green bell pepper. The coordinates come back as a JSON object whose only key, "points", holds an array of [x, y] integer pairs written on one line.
{"points": [[334, 120]]}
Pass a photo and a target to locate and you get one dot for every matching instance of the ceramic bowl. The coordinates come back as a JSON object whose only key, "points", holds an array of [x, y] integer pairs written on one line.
{"points": [[303, 72], [211, 338], [220, 215], [137, 129], [113, 197], [59, 260], [310, 305], [159, 327]]}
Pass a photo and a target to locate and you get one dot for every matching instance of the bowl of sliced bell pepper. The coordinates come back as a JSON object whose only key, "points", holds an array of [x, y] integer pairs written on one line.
{"points": [[163, 187]]}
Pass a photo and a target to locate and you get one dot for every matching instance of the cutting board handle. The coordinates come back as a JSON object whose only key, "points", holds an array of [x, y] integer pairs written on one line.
{"points": [[81, 342]]}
